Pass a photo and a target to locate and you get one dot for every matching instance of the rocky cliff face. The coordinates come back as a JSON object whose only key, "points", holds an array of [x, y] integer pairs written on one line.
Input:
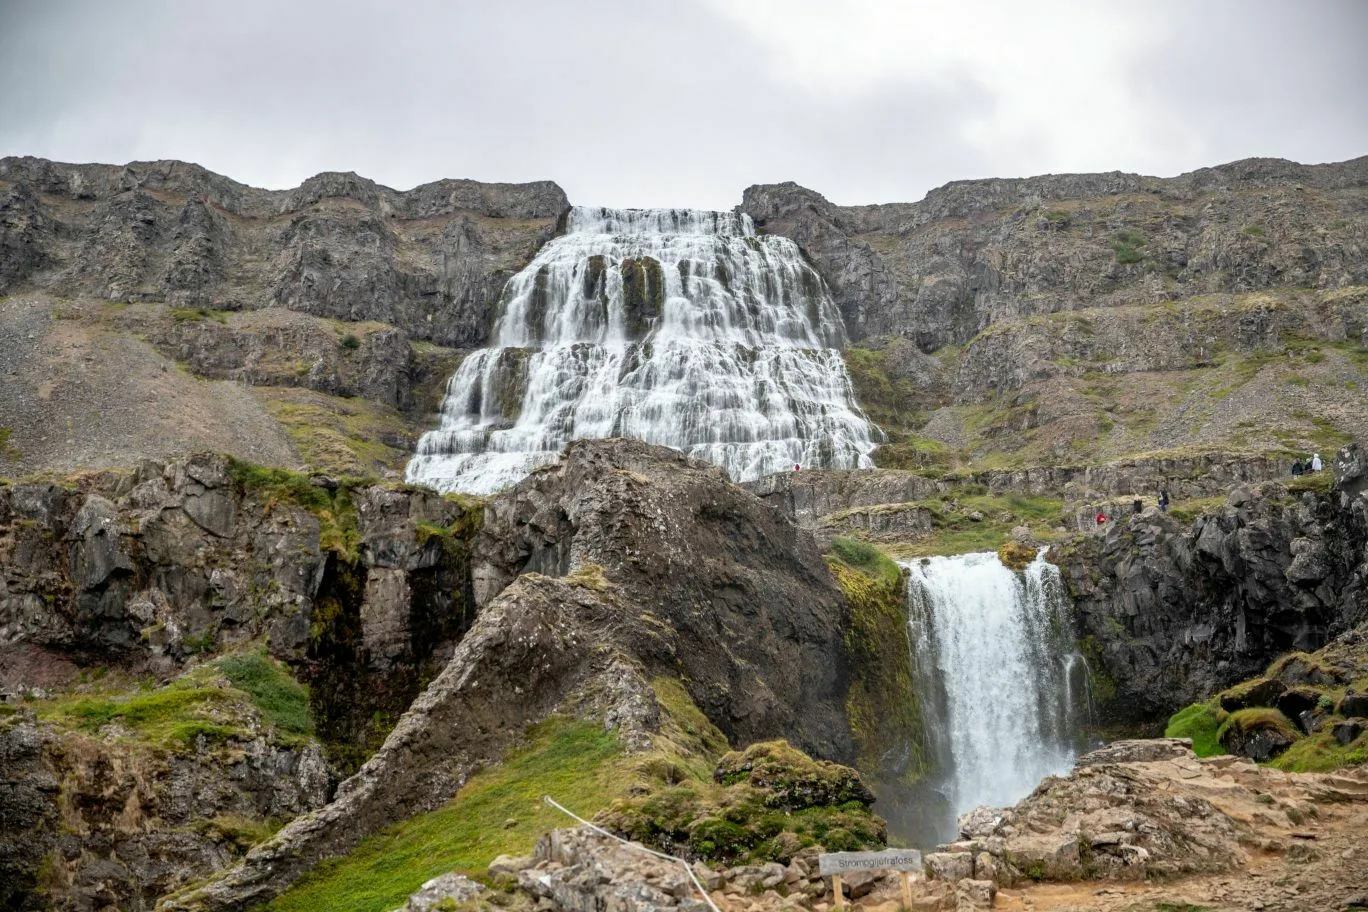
{"points": [[430, 261], [974, 253], [91, 823], [361, 590], [1176, 611], [622, 563]]}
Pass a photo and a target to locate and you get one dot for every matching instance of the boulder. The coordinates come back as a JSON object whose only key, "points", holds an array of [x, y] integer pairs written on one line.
{"points": [[1349, 730], [1259, 734], [949, 866], [441, 893], [1353, 704], [1261, 692]]}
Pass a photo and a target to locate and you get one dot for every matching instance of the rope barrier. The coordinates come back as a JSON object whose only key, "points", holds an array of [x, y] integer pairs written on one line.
{"points": [[688, 868]]}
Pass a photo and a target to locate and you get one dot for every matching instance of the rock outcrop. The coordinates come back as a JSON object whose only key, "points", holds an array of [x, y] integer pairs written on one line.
{"points": [[974, 253], [1139, 810], [1174, 612], [91, 823], [621, 562], [360, 589], [430, 261], [743, 595]]}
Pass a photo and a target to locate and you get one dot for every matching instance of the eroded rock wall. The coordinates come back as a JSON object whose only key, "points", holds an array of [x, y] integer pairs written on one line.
{"points": [[974, 253], [1175, 611], [364, 591], [430, 261]]}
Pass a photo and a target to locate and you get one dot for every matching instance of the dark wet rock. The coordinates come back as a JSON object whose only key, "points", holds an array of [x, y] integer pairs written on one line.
{"points": [[1347, 731], [1353, 704]]}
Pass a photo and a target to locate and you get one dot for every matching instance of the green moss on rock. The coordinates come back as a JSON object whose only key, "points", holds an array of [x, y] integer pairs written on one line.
{"points": [[765, 803], [885, 717], [1200, 722]]}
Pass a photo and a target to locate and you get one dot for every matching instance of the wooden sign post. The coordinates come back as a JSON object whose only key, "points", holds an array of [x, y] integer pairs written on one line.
{"points": [[833, 864]]}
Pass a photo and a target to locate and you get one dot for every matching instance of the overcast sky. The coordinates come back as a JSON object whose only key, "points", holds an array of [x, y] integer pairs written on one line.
{"points": [[684, 103]]}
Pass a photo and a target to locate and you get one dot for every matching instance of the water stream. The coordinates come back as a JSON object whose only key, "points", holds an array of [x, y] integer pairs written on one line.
{"points": [[1002, 689], [675, 326]]}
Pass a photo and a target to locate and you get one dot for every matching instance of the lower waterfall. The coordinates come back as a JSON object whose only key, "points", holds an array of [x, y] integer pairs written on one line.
{"points": [[1003, 691]]}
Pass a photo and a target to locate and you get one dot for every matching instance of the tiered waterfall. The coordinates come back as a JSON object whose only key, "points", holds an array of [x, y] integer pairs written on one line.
{"points": [[678, 327]]}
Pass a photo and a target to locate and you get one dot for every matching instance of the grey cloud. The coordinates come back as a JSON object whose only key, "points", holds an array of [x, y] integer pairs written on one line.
{"points": [[647, 103]]}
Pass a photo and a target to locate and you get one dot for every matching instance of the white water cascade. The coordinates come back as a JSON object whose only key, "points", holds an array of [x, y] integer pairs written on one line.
{"points": [[1003, 691], [677, 327]]}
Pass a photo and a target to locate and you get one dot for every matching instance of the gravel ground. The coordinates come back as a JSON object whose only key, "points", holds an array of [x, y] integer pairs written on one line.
{"points": [[77, 395]]}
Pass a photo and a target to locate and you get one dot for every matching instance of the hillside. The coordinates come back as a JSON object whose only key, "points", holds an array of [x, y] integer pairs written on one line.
{"points": [[1066, 320]]}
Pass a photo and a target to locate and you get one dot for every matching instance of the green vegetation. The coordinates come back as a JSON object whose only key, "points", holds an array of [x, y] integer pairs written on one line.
{"points": [[957, 531], [762, 804], [1253, 230], [1202, 723], [1322, 483], [884, 717], [1320, 753], [242, 832], [195, 314], [1188, 510], [869, 560], [1126, 245], [350, 341], [1180, 907], [1257, 718], [282, 701], [1057, 216], [6, 450], [671, 789], [336, 514], [173, 717], [890, 402], [338, 435], [214, 701], [577, 763]]}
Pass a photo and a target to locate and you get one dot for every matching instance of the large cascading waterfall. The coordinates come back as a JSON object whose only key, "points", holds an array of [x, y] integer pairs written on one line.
{"points": [[677, 327], [1003, 691]]}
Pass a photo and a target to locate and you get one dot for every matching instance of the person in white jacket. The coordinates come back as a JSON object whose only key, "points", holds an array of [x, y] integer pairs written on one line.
{"points": [[1316, 464]]}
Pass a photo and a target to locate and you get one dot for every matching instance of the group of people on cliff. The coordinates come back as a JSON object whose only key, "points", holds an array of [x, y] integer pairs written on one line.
{"points": [[1299, 467], [1308, 466]]}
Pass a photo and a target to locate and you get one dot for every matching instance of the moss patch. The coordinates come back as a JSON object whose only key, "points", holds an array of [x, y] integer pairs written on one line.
{"points": [[217, 702], [1202, 723], [884, 715], [1320, 753], [337, 435], [966, 519], [334, 510], [762, 804]]}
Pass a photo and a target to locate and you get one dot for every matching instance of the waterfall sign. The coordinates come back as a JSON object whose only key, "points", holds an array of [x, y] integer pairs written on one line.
{"points": [[834, 864], [889, 860]]}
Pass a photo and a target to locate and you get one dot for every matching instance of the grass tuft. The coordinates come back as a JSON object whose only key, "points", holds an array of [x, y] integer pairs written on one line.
{"points": [[1201, 722]]}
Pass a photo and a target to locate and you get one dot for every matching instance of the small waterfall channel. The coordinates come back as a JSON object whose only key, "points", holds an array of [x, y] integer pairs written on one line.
{"points": [[1002, 688], [679, 327]]}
